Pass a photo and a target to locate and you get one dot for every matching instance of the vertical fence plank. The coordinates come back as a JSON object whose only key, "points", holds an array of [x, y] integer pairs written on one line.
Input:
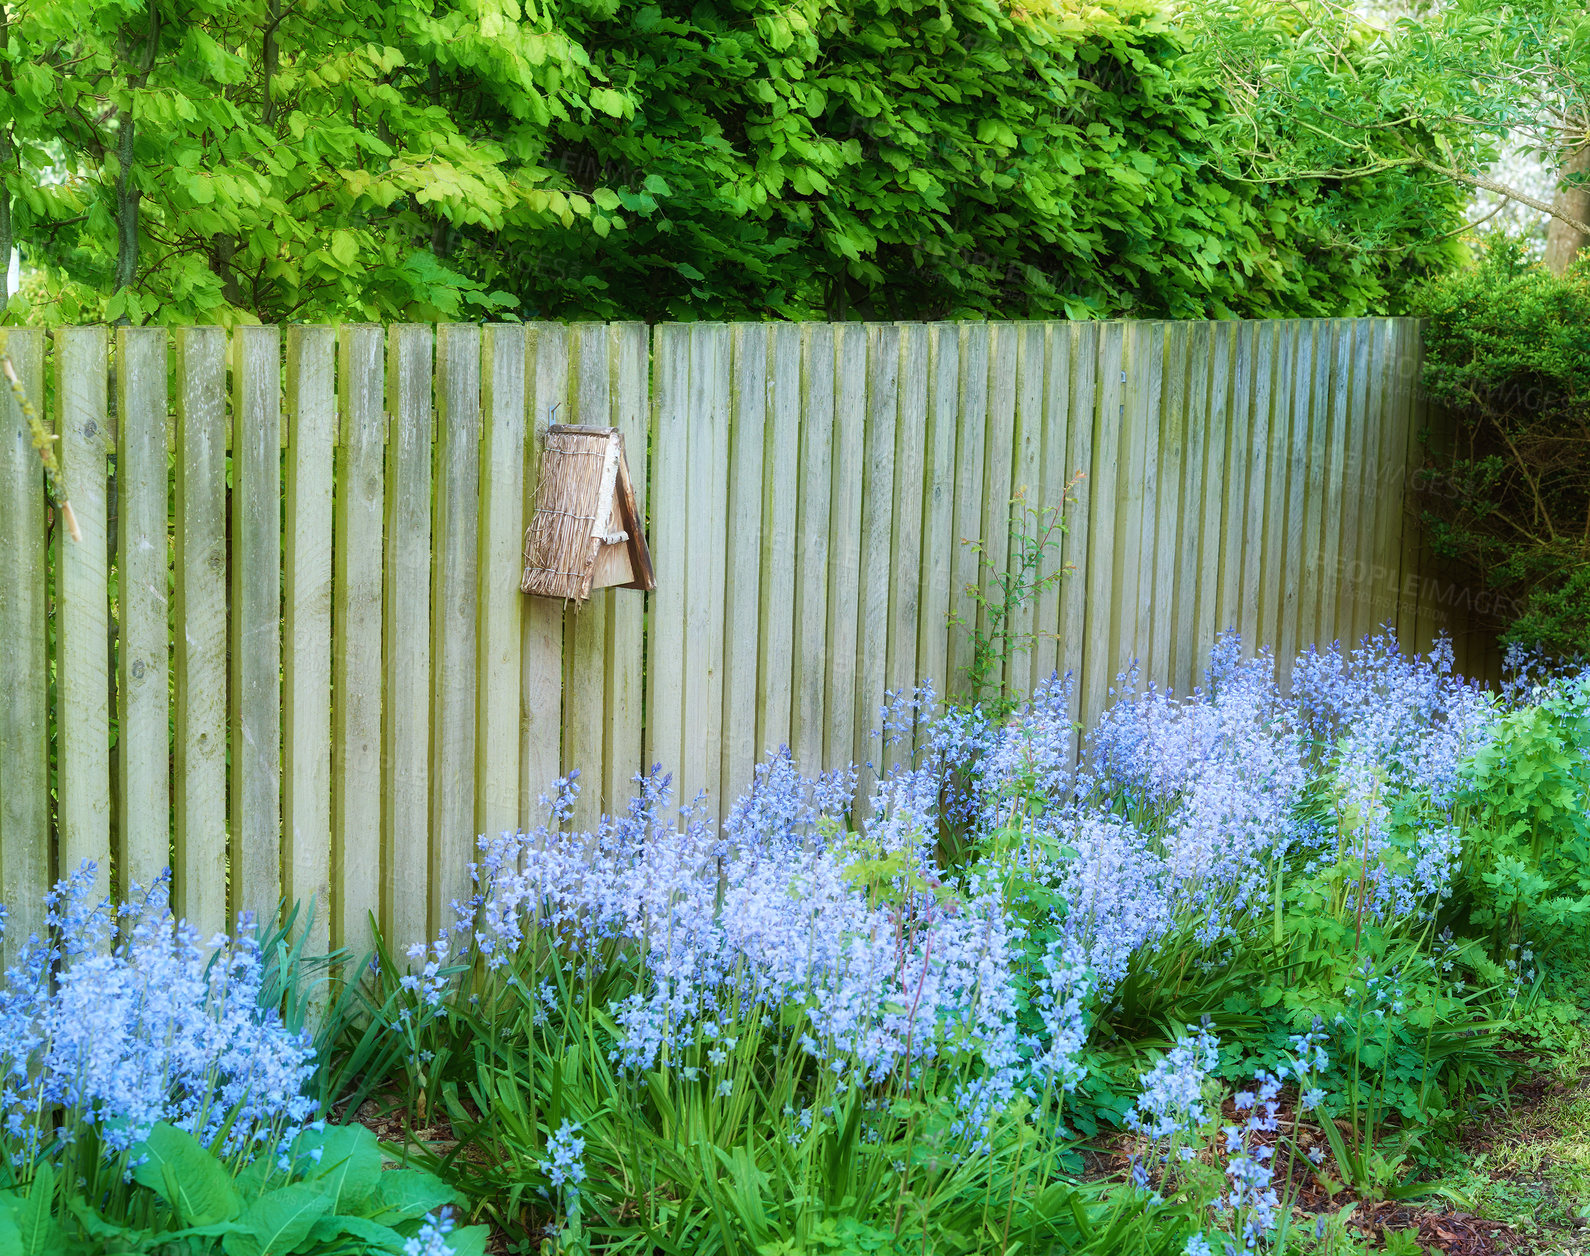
{"points": [[1189, 525], [199, 615], [454, 626], [1137, 415], [1099, 658], [966, 561], [24, 699], [905, 595], [1215, 486], [541, 628], [781, 445], [1300, 384], [1358, 506], [1313, 552], [1274, 575], [748, 348], [502, 525], [811, 669], [877, 512], [1387, 503], [1083, 350], [1167, 645], [306, 625], [406, 796], [705, 541], [1004, 340], [846, 474], [83, 604], [585, 624], [665, 648], [1335, 449], [626, 619], [1237, 472], [1259, 486], [143, 743], [256, 645], [938, 506], [358, 558], [1055, 476], [1026, 495], [910, 456]]}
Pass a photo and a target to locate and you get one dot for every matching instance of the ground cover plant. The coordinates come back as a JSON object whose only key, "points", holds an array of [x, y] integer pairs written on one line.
{"points": [[1262, 945], [801, 1033]]}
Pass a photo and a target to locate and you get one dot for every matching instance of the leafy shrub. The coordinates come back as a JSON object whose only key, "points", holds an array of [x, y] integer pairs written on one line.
{"points": [[1507, 348]]}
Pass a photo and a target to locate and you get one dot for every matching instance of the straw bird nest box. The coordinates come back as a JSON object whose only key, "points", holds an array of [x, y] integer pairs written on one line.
{"points": [[586, 531]]}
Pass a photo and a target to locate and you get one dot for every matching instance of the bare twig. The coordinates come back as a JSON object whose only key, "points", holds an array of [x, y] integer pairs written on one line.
{"points": [[43, 442]]}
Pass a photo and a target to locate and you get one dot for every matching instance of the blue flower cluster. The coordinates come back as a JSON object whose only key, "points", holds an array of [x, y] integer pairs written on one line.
{"points": [[119, 1017]]}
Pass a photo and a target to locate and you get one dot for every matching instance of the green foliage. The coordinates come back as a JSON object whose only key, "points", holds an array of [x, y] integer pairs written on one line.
{"points": [[1508, 361], [217, 160], [335, 1197]]}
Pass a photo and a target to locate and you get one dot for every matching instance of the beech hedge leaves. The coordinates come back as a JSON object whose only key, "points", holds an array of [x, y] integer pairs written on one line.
{"points": [[312, 159]]}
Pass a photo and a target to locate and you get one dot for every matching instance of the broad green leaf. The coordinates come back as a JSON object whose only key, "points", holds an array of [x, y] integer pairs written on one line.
{"points": [[277, 1222], [178, 1168]]}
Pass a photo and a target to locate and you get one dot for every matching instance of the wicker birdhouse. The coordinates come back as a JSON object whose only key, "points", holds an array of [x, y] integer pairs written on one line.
{"points": [[586, 532]]}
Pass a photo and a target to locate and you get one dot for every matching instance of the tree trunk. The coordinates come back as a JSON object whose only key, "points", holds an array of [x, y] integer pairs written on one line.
{"points": [[1563, 242]]}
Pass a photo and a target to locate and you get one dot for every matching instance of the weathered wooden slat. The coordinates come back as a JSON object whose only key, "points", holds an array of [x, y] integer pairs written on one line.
{"points": [[1178, 482], [256, 641], [1259, 486], [82, 614], [781, 445], [143, 743], [1335, 450], [455, 551], [1189, 528], [748, 349], [1027, 494], [1055, 476], [626, 609], [306, 626], [24, 698], [1386, 490], [966, 561], [1312, 552], [1275, 578], [358, 558], [877, 520], [541, 626], [938, 507], [905, 592], [1293, 574], [705, 571], [839, 745], [1134, 498], [590, 404], [200, 631], [993, 534], [502, 525], [811, 663], [406, 794], [666, 615], [1358, 490], [1213, 496], [1081, 417], [1099, 659], [1236, 475]]}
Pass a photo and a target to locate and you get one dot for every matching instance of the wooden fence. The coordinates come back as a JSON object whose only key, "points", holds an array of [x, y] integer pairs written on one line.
{"points": [[289, 655]]}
